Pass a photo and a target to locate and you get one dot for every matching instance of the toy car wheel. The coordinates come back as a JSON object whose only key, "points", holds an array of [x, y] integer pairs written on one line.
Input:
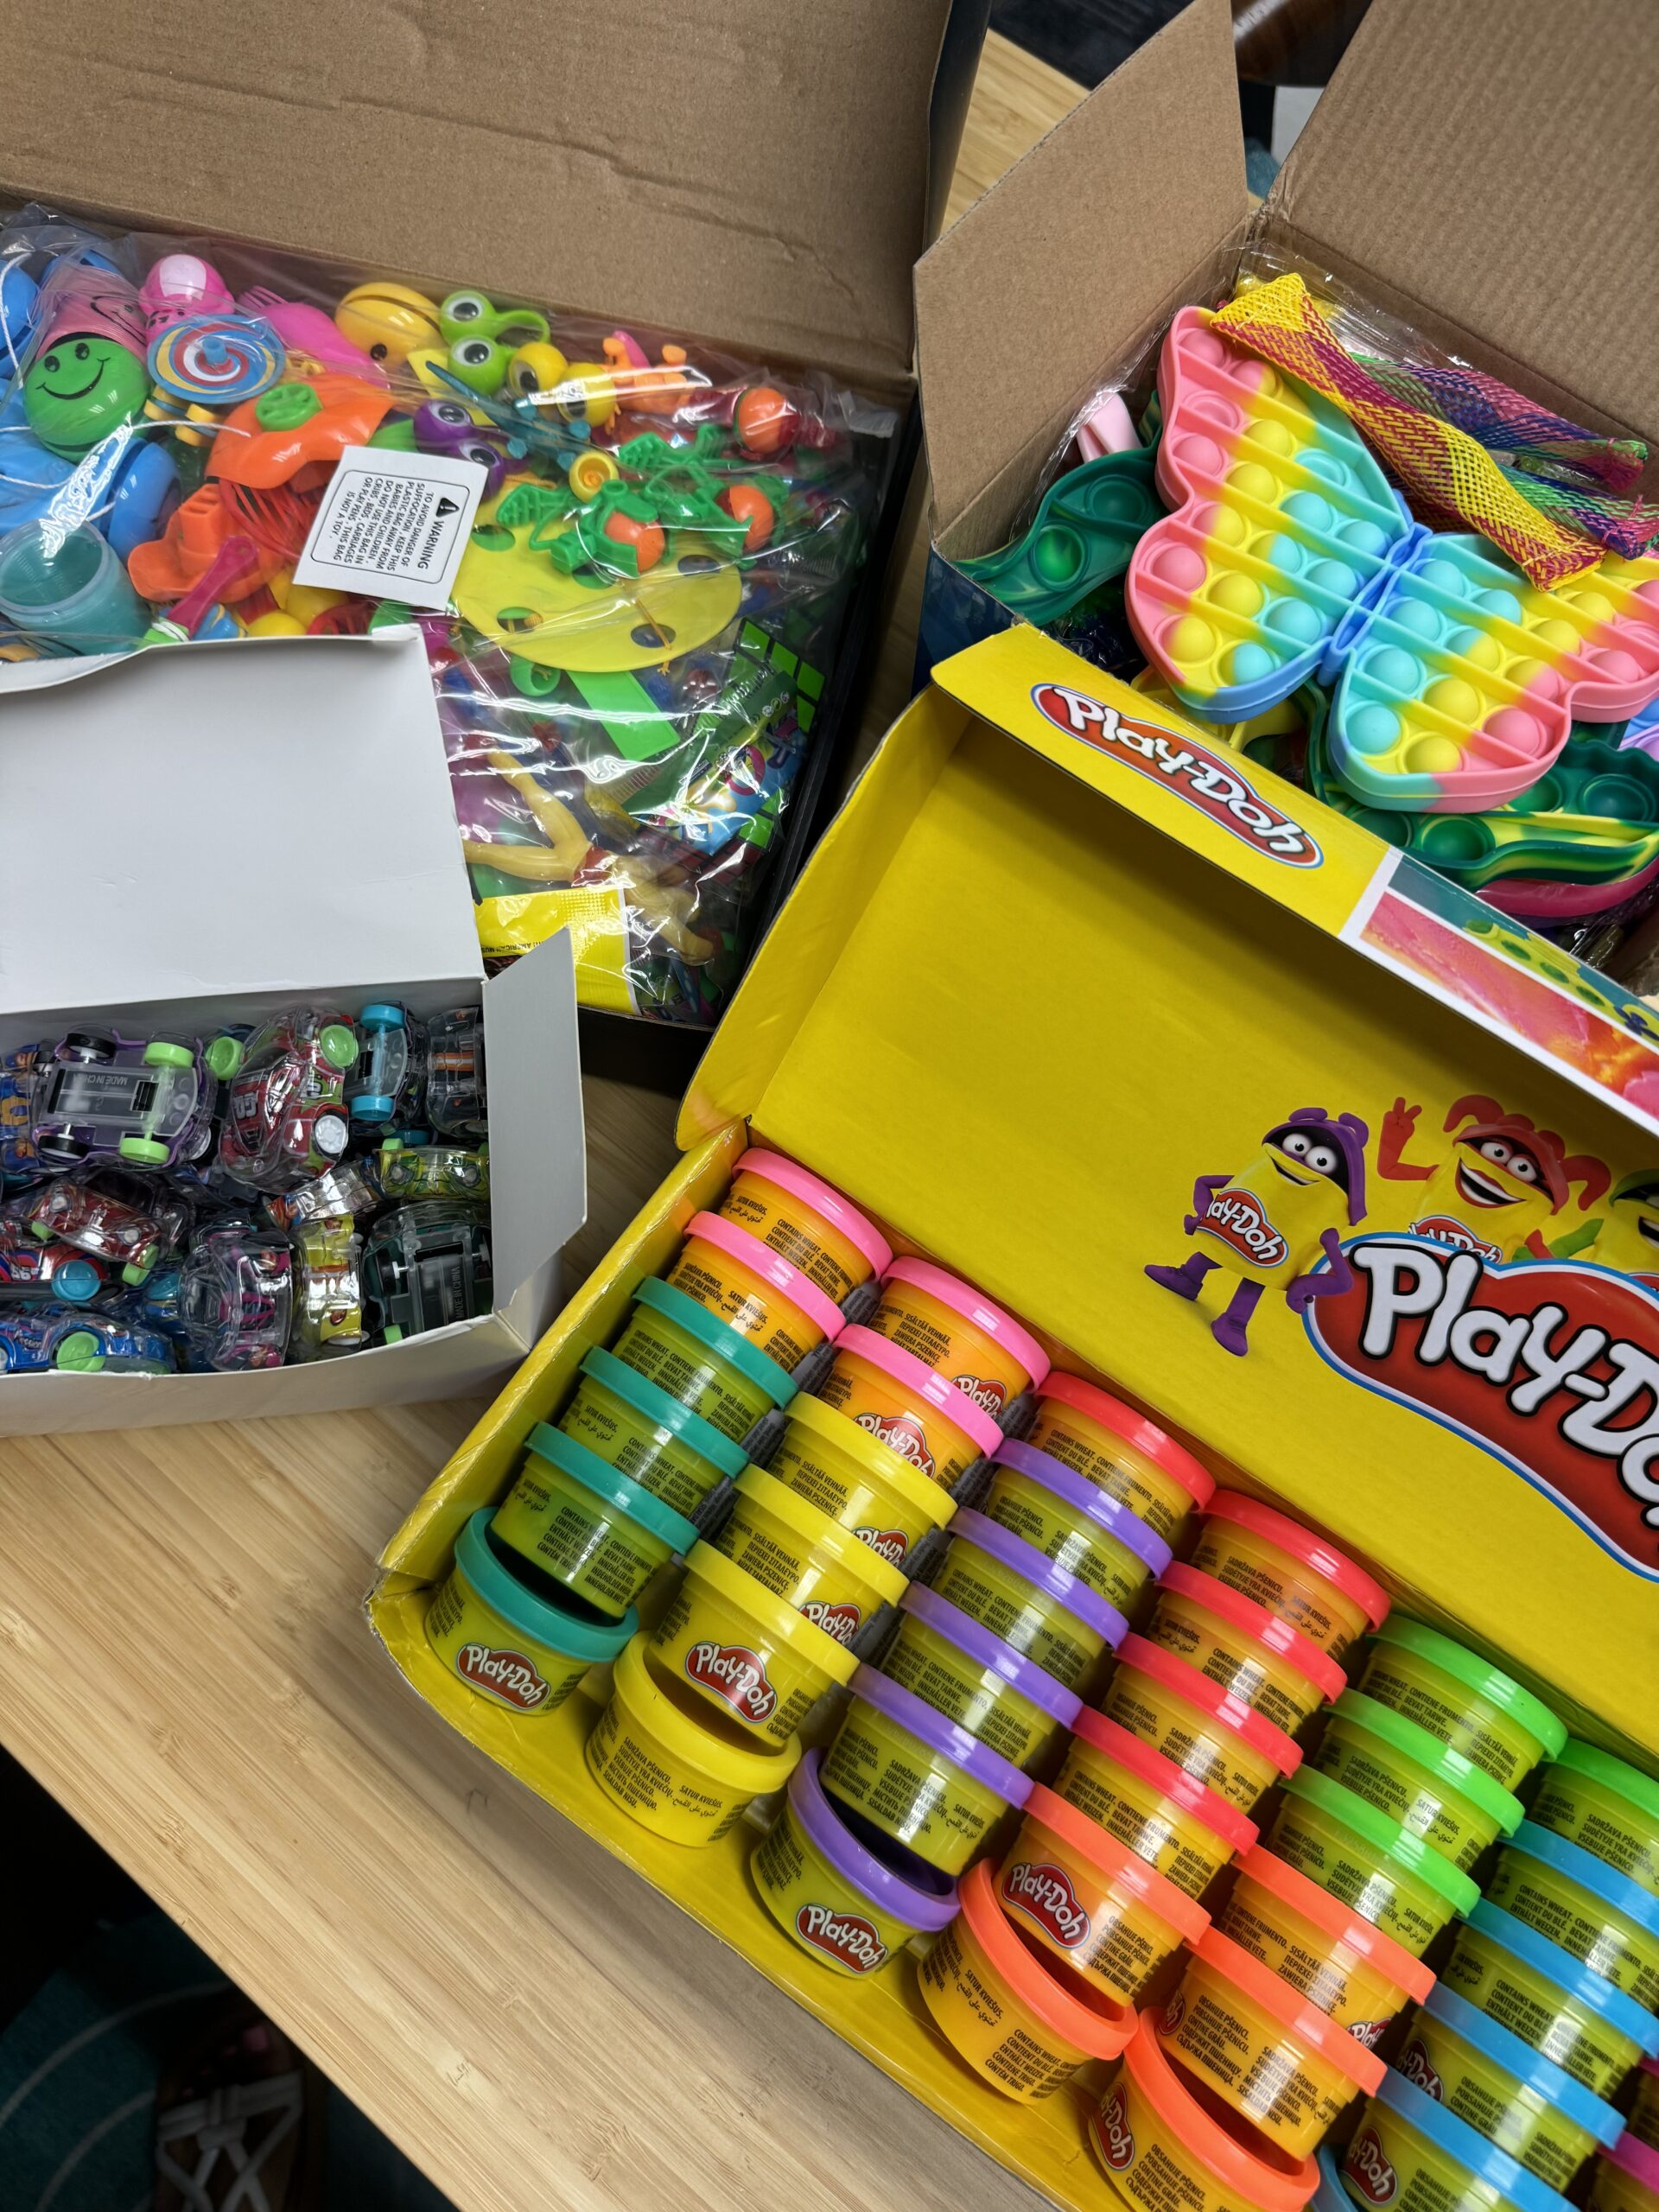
{"points": [[380, 1016], [61, 1151], [330, 1134], [337, 1045], [372, 1106], [145, 1152], [468, 1174], [90, 1046], [161, 1052], [225, 1057]]}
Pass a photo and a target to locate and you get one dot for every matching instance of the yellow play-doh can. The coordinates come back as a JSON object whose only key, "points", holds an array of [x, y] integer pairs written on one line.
{"points": [[1182, 1713], [1575, 1899], [1119, 1451], [743, 1650], [1367, 1862], [1035, 1607], [954, 1329], [1075, 1527], [1177, 1825], [827, 1458], [589, 1528], [1410, 2151], [692, 1355], [507, 1643], [805, 1220], [975, 1678], [747, 1285], [1626, 2179], [1461, 1700], [1291, 1570], [809, 1560], [1416, 1779], [1644, 2105], [647, 1436]]}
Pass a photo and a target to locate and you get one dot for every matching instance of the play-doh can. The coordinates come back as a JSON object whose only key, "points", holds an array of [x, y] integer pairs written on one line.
{"points": [[1177, 1825], [504, 1641], [747, 1285], [1278, 2061], [1294, 1573], [907, 1406], [1250, 1653], [1411, 2153], [646, 1435], [1607, 1806], [1550, 1999], [805, 1220], [830, 1893], [1575, 1899], [954, 1329], [1119, 1450], [916, 1777], [1625, 2179], [1369, 1862], [1165, 2144], [744, 1650], [1334, 1956], [827, 1458], [1644, 2105], [1460, 1698], [1191, 1720], [700, 1362], [1414, 1778], [652, 1752], [1034, 1605], [809, 1559], [962, 1670], [1504, 2089], [600, 1536], [1075, 1526], [1102, 1911], [1002, 2011]]}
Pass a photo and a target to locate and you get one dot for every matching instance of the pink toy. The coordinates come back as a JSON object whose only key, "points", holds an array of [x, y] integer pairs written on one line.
{"points": [[181, 284], [1106, 429], [305, 329]]}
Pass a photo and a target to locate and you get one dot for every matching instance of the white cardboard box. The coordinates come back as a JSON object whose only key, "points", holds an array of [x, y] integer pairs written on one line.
{"points": [[199, 834]]}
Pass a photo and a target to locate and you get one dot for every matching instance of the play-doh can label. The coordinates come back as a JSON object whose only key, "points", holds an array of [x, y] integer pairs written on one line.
{"points": [[840, 1621], [1414, 2063], [987, 1394], [1043, 1893], [890, 1544], [1116, 2136], [1369, 2169], [507, 1676], [900, 1433], [731, 1671], [847, 1937]]}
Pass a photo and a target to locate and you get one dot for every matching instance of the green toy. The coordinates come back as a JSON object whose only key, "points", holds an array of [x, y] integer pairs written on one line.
{"points": [[1086, 530], [80, 389]]}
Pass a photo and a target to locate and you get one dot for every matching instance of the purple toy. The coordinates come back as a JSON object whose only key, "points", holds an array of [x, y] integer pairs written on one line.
{"points": [[236, 1297], [147, 1103], [446, 426]]}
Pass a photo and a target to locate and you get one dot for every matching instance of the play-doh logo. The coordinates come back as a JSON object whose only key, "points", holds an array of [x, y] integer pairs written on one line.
{"points": [[1113, 2132], [507, 1675], [889, 1544], [1238, 1219], [731, 1671], [1368, 2167], [1043, 1893], [989, 1397], [1369, 2032], [1413, 2062], [1550, 1366], [1206, 780], [847, 1937], [903, 1435], [1173, 2013], [1441, 1229], [840, 1621]]}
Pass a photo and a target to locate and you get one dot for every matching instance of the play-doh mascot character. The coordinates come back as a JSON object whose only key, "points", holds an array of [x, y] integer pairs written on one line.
{"points": [[1502, 1182], [1627, 1234], [1274, 1224]]}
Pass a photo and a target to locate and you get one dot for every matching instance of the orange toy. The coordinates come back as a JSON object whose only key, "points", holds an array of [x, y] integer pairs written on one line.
{"points": [[196, 532], [268, 447]]}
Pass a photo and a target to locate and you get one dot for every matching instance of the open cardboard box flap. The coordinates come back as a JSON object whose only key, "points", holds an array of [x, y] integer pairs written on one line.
{"points": [[757, 174]]}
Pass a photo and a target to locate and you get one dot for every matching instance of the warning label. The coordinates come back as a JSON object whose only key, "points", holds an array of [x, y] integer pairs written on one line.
{"points": [[393, 526]]}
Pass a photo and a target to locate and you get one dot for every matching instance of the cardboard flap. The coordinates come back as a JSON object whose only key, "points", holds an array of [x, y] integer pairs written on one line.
{"points": [[756, 173], [538, 1153], [1448, 157], [1022, 303]]}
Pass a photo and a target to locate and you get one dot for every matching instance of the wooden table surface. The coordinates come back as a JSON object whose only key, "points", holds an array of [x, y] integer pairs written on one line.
{"points": [[185, 1665]]}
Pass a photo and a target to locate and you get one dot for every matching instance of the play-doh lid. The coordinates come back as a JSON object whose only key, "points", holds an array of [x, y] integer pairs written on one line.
{"points": [[1330, 2196], [1266, 2178], [1337, 1921], [1301, 1543], [813, 1526], [1317, 2031], [1185, 1682], [775, 1615], [544, 1623], [789, 1175], [989, 1650], [1506, 2176], [1582, 1867], [1087, 1498], [1102, 2031], [597, 1475], [1140, 1434], [975, 1309], [874, 1458], [755, 1773], [714, 1335], [747, 1251], [1026, 1560], [1448, 1767], [1637, 2159], [1118, 1863], [1244, 1613], [855, 1863], [1387, 1838], [920, 1380], [1160, 1773], [657, 1407], [1617, 1775], [1479, 1675], [918, 1718], [1528, 2067], [1570, 1975]]}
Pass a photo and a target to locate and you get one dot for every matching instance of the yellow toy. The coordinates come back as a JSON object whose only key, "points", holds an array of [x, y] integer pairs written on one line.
{"points": [[1501, 1183], [389, 321]]}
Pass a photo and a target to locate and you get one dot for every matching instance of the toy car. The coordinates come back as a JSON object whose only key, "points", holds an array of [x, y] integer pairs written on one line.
{"points": [[424, 1266], [31, 1269], [340, 1193], [93, 1345], [96, 1096], [19, 1163], [284, 1118], [236, 1297], [455, 1100], [328, 1290], [115, 1217], [29, 1335], [436, 1170], [390, 1072]]}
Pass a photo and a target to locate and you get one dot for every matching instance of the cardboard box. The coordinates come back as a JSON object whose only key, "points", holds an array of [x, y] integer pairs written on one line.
{"points": [[207, 833], [762, 181], [1437, 179], [1055, 959]]}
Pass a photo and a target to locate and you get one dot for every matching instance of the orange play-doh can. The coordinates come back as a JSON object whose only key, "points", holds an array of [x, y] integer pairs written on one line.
{"points": [[1146, 1801], [1101, 1910], [1001, 2009], [905, 1406], [1168, 2143], [805, 1220], [1290, 1570], [1193, 1721], [954, 1329], [745, 1284], [1337, 1959], [1119, 1450], [1277, 2060], [1250, 1653]]}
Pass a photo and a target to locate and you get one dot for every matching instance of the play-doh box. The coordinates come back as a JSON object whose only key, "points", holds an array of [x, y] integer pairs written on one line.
{"points": [[1164, 2140], [802, 1218]]}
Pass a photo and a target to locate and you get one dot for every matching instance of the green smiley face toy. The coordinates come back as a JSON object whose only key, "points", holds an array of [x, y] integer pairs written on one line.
{"points": [[82, 387]]}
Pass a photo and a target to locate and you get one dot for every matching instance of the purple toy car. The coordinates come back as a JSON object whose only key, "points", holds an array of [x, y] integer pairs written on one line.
{"points": [[236, 1297], [147, 1103]]}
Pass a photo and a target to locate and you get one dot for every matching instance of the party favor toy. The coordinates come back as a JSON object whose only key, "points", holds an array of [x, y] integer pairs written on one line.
{"points": [[1085, 529]]}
